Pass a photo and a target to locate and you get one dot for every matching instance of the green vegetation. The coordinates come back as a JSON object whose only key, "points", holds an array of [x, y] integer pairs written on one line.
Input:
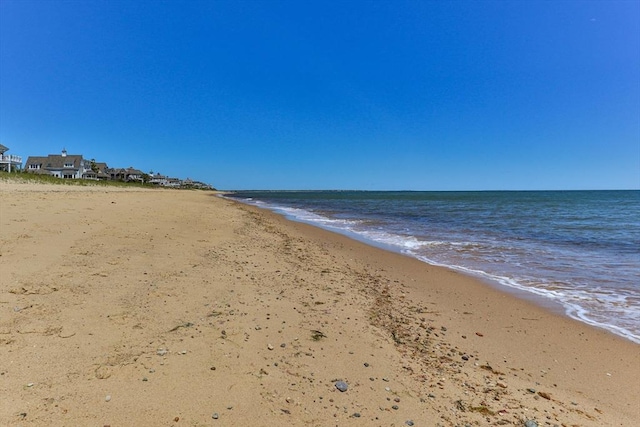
{"points": [[22, 176]]}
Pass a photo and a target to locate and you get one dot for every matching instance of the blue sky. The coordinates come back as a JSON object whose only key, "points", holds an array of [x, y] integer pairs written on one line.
{"points": [[414, 95]]}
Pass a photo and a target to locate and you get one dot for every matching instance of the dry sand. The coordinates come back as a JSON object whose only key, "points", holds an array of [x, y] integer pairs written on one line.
{"points": [[167, 307]]}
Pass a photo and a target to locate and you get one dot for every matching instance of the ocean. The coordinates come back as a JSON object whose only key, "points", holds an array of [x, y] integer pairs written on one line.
{"points": [[579, 250]]}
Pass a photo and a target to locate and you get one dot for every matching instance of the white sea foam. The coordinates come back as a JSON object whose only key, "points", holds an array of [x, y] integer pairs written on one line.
{"points": [[569, 299]]}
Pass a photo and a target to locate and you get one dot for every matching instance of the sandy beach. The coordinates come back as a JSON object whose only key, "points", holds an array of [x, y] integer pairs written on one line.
{"points": [[134, 307]]}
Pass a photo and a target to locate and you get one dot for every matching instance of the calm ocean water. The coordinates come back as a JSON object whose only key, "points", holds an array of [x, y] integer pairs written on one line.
{"points": [[580, 249]]}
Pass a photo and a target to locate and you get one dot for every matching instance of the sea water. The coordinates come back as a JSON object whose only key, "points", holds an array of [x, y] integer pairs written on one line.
{"points": [[579, 249]]}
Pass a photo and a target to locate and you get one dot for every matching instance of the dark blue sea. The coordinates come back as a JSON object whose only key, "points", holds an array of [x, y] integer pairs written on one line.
{"points": [[577, 249]]}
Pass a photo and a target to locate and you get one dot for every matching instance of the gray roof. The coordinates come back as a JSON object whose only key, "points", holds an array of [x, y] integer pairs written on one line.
{"points": [[55, 161], [3, 148], [126, 171]]}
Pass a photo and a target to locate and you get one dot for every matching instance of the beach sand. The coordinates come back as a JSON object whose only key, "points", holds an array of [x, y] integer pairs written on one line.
{"points": [[179, 308]]}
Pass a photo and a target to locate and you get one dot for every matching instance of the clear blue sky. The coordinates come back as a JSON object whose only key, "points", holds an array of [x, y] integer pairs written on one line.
{"points": [[415, 95]]}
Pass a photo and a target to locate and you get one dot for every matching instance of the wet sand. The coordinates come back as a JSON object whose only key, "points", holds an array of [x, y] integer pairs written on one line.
{"points": [[166, 307]]}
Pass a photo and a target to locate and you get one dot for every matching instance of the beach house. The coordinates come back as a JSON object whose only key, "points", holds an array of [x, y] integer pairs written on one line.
{"points": [[125, 174], [96, 170], [62, 165], [9, 162]]}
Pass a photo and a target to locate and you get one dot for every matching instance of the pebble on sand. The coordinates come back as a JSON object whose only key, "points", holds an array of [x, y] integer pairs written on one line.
{"points": [[342, 386]]}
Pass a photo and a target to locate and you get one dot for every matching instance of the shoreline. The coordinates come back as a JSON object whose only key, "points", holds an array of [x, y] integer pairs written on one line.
{"points": [[167, 308], [495, 292], [528, 294]]}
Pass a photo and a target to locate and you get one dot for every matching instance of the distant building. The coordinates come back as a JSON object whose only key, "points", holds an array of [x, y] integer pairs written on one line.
{"points": [[125, 174], [9, 162], [74, 166], [70, 166], [158, 179], [96, 171]]}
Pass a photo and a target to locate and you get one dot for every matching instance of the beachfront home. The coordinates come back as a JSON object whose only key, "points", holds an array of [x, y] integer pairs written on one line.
{"points": [[96, 171], [189, 183], [158, 179], [63, 165], [9, 162], [126, 174]]}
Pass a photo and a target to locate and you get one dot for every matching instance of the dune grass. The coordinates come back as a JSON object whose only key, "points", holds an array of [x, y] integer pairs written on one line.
{"points": [[26, 177]]}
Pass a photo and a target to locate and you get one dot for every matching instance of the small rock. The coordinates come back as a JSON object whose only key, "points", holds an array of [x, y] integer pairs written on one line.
{"points": [[409, 422], [465, 357], [530, 423], [356, 415], [342, 386], [531, 390], [395, 407], [269, 346], [283, 345], [215, 416], [366, 365], [161, 351], [385, 379], [108, 398]]}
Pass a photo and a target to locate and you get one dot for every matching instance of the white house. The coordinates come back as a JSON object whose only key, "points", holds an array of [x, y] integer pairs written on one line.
{"points": [[63, 165]]}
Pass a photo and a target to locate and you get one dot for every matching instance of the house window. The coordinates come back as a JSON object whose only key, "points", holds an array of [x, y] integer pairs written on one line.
{"points": [[68, 165], [34, 166]]}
